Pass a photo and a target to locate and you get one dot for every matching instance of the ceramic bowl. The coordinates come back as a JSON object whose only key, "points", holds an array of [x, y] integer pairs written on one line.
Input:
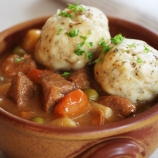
{"points": [[133, 137]]}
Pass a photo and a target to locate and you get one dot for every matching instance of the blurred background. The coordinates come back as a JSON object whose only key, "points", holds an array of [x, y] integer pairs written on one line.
{"points": [[143, 12]]}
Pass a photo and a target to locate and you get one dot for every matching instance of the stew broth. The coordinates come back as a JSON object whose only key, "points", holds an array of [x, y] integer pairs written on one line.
{"points": [[95, 113]]}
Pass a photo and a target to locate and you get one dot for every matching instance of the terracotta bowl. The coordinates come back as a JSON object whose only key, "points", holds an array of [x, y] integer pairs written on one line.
{"points": [[133, 137]]}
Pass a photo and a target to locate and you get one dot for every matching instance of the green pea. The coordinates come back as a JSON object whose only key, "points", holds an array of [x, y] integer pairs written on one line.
{"points": [[19, 51], [92, 94], [38, 119]]}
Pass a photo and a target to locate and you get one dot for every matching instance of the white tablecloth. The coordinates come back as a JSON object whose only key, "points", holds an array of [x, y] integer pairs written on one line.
{"points": [[143, 12]]}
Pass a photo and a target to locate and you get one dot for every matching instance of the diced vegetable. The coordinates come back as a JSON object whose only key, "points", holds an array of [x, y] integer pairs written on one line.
{"points": [[73, 104], [30, 40], [106, 110], [38, 119], [26, 114], [35, 74], [92, 94], [109, 114], [64, 122]]}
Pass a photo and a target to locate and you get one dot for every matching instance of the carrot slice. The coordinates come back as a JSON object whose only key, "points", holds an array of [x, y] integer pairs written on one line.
{"points": [[26, 114], [35, 74], [73, 104]]}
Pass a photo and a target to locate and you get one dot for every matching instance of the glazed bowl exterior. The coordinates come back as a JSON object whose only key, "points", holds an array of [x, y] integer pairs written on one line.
{"points": [[135, 137]]}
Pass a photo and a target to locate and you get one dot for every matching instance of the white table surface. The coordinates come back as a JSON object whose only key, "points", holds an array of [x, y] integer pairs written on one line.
{"points": [[143, 12]]}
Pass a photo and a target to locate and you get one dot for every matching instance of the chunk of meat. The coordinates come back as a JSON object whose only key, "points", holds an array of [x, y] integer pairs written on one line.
{"points": [[21, 89], [54, 87], [81, 78], [120, 105], [15, 63]]}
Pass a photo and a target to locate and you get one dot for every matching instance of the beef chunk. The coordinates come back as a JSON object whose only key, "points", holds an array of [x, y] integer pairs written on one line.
{"points": [[15, 63], [54, 87], [21, 89], [80, 78], [120, 105]]}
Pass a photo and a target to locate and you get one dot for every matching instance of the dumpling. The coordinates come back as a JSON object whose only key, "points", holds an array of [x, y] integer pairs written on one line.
{"points": [[130, 70], [69, 39]]}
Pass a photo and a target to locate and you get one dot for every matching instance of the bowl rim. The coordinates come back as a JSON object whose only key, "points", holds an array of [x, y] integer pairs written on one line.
{"points": [[78, 133], [81, 133]]}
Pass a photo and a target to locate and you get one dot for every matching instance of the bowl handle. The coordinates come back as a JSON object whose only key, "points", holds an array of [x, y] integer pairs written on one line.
{"points": [[115, 148]]}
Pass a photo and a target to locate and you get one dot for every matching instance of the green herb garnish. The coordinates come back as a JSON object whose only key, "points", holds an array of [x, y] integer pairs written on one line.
{"points": [[102, 43], [65, 74], [83, 37], [65, 14], [59, 30], [16, 60], [90, 32], [76, 7], [83, 42], [79, 45], [105, 49], [139, 60], [146, 49], [117, 39], [97, 60], [73, 33], [132, 45], [89, 44], [79, 51], [88, 55]]}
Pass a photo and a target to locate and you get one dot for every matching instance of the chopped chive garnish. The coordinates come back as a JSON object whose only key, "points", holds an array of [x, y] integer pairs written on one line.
{"points": [[79, 45], [117, 39], [65, 74], [90, 44], [102, 43], [139, 60], [88, 55], [132, 45], [73, 33], [59, 30], [146, 49], [76, 7], [65, 14], [16, 60], [79, 52]]}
